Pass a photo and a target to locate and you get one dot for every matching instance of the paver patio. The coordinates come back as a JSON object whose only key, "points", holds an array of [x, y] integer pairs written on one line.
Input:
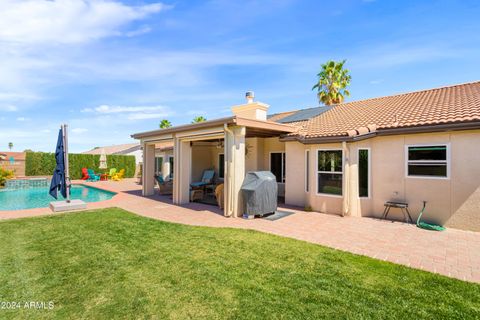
{"points": [[453, 253]]}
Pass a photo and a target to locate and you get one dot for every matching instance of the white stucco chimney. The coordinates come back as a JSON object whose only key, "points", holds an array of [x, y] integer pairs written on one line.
{"points": [[252, 109]]}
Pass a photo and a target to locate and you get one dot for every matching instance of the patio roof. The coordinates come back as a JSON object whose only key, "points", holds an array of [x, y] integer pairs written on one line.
{"points": [[255, 128]]}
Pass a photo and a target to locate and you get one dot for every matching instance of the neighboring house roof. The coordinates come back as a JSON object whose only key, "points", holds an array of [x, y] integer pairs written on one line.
{"points": [[116, 149], [7, 155], [455, 104]]}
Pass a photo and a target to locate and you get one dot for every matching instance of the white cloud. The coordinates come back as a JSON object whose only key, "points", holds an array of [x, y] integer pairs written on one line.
{"points": [[140, 31], [104, 109], [79, 130], [67, 21], [142, 116], [21, 119], [131, 112], [8, 108]]}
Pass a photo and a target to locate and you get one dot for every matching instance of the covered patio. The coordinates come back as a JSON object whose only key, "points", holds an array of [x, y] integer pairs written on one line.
{"points": [[237, 141]]}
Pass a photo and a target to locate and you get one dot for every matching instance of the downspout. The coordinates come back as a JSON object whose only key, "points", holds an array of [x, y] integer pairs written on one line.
{"points": [[229, 171], [346, 180]]}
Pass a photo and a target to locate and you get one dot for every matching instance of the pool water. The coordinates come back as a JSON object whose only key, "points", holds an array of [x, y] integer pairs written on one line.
{"points": [[18, 199]]}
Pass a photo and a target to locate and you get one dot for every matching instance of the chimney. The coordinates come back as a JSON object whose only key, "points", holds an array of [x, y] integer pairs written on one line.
{"points": [[252, 109], [250, 95]]}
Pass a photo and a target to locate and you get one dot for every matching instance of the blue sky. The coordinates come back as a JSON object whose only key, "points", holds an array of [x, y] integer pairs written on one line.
{"points": [[111, 68]]}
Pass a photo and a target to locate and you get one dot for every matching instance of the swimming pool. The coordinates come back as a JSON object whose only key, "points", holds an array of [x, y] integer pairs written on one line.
{"points": [[18, 199]]}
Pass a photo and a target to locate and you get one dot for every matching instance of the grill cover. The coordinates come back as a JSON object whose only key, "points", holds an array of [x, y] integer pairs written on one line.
{"points": [[260, 191]]}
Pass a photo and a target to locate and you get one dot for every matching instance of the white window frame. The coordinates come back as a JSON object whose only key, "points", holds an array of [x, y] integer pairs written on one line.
{"points": [[447, 161], [369, 173], [307, 171], [284, 176], [331, 172], [218, 160]]}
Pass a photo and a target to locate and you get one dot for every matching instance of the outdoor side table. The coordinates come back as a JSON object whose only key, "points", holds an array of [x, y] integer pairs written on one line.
{"points": [[103, 177], [403, 206]]}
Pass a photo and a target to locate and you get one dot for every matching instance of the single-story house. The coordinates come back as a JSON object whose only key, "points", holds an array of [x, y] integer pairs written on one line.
{"points": [[346, 159]]}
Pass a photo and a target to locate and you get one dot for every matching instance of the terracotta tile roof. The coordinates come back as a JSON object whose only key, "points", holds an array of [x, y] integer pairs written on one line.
{"points": [[17, 156], [453, 104], [113, 149]]}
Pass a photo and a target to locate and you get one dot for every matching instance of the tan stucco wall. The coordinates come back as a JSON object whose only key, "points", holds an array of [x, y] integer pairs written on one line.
{"points": [[202, 159], [295, 175], [454, 202]]}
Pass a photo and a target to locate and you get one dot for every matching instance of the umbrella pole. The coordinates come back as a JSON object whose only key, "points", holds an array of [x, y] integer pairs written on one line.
{"points": [[65, 157]]}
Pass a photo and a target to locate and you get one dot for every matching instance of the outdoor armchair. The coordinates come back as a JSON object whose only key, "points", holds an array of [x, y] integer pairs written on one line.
{"points": [[119, 175], [92, 175], [207, 179], [85, 175], [164, 187]]}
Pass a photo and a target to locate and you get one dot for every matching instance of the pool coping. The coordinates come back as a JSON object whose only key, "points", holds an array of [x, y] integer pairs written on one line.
{"points": [[23, 213]]}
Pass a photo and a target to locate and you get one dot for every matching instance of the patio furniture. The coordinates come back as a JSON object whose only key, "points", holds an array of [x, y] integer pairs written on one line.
{"points": [[93, 176], [164, 187], [403, 206], [207, 180], [103, 177], [112, 172], [219, 195], [119, 175], [196, 194], [260, 192], [85, 175]]}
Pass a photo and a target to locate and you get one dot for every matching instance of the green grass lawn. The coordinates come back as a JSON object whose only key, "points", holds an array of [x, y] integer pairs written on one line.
{"points": [[113, 264]]}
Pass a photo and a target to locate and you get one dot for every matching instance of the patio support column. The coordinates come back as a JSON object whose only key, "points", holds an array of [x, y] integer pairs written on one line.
{"points": [[148, 173], [182, 166], [235, 170]]}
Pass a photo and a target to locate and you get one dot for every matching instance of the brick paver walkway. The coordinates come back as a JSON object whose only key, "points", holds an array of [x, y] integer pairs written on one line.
{"points": [[453, 253]]}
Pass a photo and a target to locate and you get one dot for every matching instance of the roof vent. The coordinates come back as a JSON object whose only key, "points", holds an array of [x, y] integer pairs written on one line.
{"points": [[250, 95]]}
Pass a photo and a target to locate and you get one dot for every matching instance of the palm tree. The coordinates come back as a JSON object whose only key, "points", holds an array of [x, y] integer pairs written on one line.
{"points": [[165, 124], [333, 80], [199, 119], [10, 145]]}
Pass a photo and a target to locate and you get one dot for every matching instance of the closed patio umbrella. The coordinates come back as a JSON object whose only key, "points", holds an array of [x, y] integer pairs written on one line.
{"points": [[59, 181], [103, 160]]}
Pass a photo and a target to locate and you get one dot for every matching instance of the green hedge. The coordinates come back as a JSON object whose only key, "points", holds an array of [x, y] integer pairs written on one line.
{"points": [[43, 164]]}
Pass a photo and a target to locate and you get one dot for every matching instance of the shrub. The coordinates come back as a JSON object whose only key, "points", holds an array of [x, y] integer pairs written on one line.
{"points": [[4, 175], [43, 164]]}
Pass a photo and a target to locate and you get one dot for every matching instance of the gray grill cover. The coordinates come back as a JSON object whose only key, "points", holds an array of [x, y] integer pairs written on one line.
{"points": [[260, 190]]}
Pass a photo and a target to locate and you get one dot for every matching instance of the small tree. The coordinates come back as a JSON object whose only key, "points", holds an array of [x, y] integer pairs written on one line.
{"points": [[10, 146], [199, 119], [333, 80], [165, 124]]}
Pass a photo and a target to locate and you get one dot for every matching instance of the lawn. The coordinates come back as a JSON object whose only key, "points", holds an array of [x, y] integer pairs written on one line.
{"points": [[113, 264]]}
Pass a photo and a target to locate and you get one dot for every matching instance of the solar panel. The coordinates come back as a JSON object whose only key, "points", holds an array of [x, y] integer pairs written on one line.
{"points": [[304, 114]]}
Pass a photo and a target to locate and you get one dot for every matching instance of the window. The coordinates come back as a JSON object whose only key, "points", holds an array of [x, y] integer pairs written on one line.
{"points": [[277, 165], [427, 161], [170, 160], [330, 172], [363, 172], [158, 165], [221, 165], [307, 171]]}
